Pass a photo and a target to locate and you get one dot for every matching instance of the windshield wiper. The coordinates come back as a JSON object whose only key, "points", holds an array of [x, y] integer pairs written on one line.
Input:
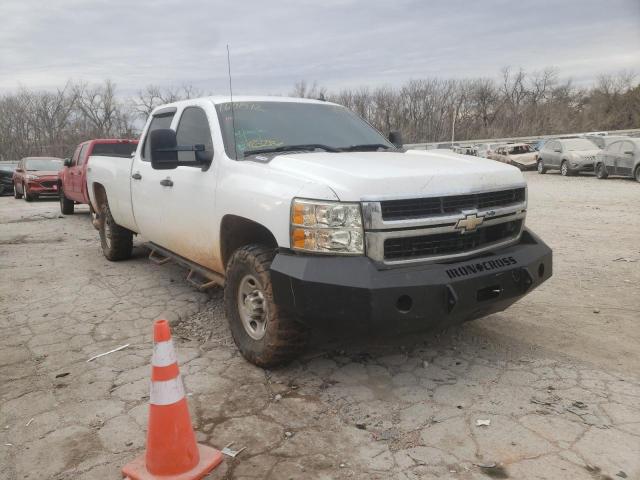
{"points": [[366, 147], [289, 148]]}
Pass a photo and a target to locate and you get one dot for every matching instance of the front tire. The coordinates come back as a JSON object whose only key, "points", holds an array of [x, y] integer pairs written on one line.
{"points": [[565, 170], [601, 172], [265, 334], [66, 205], [25, 192], [117, 241], [637, 175], [541, 168], [16, 195]]}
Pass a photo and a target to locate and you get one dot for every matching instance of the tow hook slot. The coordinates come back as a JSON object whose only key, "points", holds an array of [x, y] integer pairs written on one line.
{"points": [[452, 298], [523, 278], [488, 293]]}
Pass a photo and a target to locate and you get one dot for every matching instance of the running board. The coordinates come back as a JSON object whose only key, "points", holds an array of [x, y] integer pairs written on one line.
{"points": [[200, 277]]}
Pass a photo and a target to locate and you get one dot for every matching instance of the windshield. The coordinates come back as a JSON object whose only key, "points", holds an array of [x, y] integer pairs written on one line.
{"points": [[264, 125], [46, 164], [520, 149], [114, 149], [579, 144]]}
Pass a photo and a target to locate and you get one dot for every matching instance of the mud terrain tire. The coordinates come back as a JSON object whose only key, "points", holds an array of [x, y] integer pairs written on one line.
{"points": [[117, 241], [265, 334]]}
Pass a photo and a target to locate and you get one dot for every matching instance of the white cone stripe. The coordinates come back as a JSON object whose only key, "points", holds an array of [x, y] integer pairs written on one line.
{"points": [[166, 392], [163, 354]]}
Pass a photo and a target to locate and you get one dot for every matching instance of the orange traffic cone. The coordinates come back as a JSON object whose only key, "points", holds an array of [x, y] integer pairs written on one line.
{"points": [[172, 452]]}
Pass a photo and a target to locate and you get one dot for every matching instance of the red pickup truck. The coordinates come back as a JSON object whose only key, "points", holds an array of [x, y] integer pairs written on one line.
{"points": [[72, 179]]}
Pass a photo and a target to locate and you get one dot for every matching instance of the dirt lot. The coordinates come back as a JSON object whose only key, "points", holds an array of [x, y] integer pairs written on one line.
{"points": [[557, 375]]}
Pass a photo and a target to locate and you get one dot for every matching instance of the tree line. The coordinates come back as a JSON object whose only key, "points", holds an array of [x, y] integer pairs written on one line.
{"points": [[516, 104], [52, 123]]}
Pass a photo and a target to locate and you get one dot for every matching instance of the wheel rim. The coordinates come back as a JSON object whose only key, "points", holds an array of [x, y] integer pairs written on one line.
{"points": [[107, 235], [252, 307], [564, 169]]}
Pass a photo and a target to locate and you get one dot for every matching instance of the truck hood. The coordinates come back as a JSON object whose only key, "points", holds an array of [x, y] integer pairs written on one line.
{"points": [[359, 176], [42, 173]]}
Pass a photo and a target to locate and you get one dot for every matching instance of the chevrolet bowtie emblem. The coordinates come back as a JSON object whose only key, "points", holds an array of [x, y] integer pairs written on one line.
{"points": [[469, 223]]}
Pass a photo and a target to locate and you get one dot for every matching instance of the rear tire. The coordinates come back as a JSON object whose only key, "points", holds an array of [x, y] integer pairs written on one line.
{"points": [[541, 168], [265, 334], [117, 241], [66, 205], [601, 172], [16, 195]]}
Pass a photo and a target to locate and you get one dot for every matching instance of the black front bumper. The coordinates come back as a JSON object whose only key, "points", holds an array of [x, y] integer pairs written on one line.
{"points": [[354, 290]]}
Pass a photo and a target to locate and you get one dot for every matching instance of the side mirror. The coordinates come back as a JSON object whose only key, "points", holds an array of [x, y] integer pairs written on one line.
{"points": [[629, 152], [164, 152], [19, 170], [165, 148], [67, 162], [395, 137]]}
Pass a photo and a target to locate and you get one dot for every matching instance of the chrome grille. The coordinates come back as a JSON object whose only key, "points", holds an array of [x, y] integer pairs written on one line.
{"points": [[402, 248], [437, 228], [423, 207]]}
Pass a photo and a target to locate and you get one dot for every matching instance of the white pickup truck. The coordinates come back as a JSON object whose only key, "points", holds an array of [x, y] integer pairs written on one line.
{"points": [[304, 212]]}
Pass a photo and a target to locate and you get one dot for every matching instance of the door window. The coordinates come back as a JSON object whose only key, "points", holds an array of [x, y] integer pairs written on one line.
{"points": [[193, 129], [614, 148], [157, 122], [74, 159], [627, 147], [83, 151]]}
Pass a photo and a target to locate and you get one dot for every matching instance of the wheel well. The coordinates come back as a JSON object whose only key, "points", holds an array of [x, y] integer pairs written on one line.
{"points": [[100, 194], [236, 232]]}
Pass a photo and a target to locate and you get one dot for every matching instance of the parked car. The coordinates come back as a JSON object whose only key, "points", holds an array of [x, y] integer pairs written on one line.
{"points": [[621, 157], [486, 149], [569, 155], [72, 179], [36, 176], [6, 177], [304, 212], [602, 141], [465, 150], [521, 155]]}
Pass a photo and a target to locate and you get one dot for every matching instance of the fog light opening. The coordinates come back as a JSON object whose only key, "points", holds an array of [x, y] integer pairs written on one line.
{"points": [[541, 270], [404, 303]]}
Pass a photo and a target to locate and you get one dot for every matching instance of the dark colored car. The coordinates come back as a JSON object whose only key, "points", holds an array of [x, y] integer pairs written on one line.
{"points": [[6, 177], [36, 176], [620, 158]]}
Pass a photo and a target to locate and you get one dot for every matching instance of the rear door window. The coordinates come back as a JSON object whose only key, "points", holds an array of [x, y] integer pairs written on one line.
{"points": [[158, 122], [124, 149]]}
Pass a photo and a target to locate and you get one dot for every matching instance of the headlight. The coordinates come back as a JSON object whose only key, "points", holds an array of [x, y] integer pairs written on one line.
{"points": [[329, 227], [32, 177]]}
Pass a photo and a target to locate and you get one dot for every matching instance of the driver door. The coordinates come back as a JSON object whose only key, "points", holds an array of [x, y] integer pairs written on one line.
{"points": [[189, 201], [626, 159]]}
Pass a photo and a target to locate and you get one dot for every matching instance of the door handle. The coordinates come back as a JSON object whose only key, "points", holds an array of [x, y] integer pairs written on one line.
{"points": [[167, 182], [136, 176]]}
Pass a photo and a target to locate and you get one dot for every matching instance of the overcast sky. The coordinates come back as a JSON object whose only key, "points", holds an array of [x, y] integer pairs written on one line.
{"points": [[337, 43]]}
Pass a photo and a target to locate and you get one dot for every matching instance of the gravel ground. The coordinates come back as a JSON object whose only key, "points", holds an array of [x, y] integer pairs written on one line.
{"points": [[556, 375]]}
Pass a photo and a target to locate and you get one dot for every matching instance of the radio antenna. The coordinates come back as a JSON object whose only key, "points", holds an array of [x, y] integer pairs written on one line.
{"points": [[233, 113]]}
